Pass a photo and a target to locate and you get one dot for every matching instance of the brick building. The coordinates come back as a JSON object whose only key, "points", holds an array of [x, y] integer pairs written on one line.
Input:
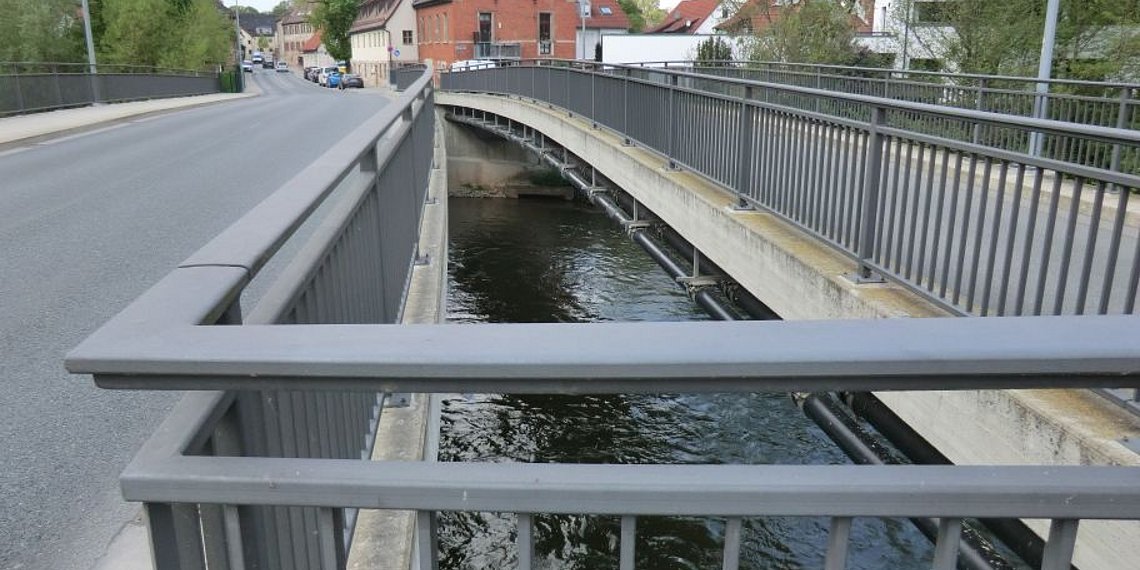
{"points": [[454, 30]]}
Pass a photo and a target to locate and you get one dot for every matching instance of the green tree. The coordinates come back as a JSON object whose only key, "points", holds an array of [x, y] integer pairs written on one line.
{"points": [[334, 18], [712, 51], [633, 12], [813, 31], [136, 31], [282, 8], [184, 34], [40, 31], [1095, 39], [202, 39]]}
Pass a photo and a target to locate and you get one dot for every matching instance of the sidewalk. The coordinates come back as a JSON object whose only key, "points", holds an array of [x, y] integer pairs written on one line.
{"points": [[22, 129]]}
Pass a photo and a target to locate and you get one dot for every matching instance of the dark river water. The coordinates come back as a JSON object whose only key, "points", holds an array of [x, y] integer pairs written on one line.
{"points": [[555, 261]]}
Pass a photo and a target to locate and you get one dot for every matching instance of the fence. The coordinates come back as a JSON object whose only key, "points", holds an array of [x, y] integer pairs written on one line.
{"points": [[404, 75], [32, 87], [1083, 102], [975, 229]]}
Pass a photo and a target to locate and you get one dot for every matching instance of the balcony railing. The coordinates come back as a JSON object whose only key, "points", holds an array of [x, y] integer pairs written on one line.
{"points": [[498, 50]]}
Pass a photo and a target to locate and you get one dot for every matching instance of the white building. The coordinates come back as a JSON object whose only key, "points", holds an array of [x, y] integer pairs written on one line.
{"points": [[383, 34], [601, 18]]}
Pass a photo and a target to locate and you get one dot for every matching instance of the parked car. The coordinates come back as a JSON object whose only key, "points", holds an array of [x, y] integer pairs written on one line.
{"points": [[247, 65], [323, 78], [282, 67], [267, 64], [333, 79], [350, 80], [258, 57], [313, 74]]}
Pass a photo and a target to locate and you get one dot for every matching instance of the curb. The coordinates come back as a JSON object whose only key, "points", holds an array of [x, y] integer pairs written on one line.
{"points": [[102, 123]]}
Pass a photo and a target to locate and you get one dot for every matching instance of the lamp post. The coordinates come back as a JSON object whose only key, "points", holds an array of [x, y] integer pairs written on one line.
{"points": [[1044, 72], [91, 69], [583, 8]]}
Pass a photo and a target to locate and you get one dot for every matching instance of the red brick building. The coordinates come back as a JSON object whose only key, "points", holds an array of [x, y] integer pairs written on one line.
{"points": [[757, 15], [454, 30]]}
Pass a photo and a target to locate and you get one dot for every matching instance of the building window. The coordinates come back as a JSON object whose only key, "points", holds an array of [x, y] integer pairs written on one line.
{"points": [[437, 36], [544, 43], [445, 36], [485, 28], [408, 37]]}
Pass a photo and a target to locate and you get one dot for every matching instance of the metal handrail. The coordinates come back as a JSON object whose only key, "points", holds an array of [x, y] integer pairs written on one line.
{"points": [[813, 67], [84, 68], [762, 131]]}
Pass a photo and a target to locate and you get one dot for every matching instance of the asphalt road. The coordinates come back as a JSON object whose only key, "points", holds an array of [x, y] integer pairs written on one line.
{"points": [[87, 223]]}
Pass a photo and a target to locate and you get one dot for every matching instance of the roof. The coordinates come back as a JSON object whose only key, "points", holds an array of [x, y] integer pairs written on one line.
{"points": [[251, 23], [313, 43], [686, 17], [373, 14], [298, 14], [761, 13], [600, 20]]}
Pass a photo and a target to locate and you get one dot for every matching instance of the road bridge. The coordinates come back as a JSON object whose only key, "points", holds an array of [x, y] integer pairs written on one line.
{"points": [[290, 496]]}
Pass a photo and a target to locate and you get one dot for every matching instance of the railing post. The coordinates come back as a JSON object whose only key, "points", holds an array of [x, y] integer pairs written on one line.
{"points": [[670, 119], [626, 141], [868, 219], [980, 105], [744, 150], [176, 537]]}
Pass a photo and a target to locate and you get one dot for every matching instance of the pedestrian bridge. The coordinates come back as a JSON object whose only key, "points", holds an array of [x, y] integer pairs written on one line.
{"points": [[829, 207]]}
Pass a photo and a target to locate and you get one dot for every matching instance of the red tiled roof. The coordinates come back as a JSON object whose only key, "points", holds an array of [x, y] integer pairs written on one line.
{"points": [[373, 14], [313, 43], [686, 17], [615, 20]]}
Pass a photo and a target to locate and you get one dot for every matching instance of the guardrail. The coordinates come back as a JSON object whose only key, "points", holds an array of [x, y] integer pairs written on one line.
{"points": [[975, 229], [1105, 104], [31, 87], [404, 75], [269, 473], [369, 190]]}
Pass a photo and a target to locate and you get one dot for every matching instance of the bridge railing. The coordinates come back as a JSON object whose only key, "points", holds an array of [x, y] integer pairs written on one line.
{"points": [[974, 228], [30, 87], [404, 75], [356, 211]]}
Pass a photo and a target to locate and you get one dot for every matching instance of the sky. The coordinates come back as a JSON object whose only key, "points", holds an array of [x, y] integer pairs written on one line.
{"points": [[267, 5]]}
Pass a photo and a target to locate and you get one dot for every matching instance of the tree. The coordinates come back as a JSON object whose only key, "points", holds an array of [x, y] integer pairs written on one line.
{"points": [[633, 12], [334, 18], [1096, 39], [281, 8], [40, 31], [812, 31], [183, 34], [712, 51]]}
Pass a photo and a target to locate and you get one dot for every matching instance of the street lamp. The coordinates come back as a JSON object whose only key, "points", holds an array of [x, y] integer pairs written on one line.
{"points": [[583, 9], [1044, 72], [95, 95]]}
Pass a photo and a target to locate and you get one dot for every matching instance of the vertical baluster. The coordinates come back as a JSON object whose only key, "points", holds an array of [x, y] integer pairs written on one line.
{"points": [[427, 554], [526, 541], [1090, 249], [1058, 553], [837, 541], [868, 223], [1067, 249], [176, 538], [732, 544], [628, 542], [946, 547]]}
